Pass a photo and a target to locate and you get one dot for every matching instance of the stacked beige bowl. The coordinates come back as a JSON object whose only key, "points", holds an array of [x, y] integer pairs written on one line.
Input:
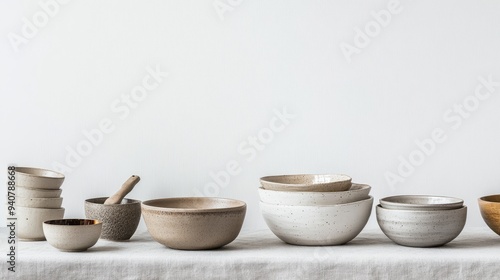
{"points": [[38, 199], [421, 220], [314, 209]]}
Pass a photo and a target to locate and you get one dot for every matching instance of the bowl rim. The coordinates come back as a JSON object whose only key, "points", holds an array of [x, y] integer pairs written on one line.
{"points": [[50, 222], [454, 202], [240, 207], [370, 198], [269, 179], [39, 198], [422, 210], [131, 201], [487, 197], [40, 209], [361, 187], [26, 171]]}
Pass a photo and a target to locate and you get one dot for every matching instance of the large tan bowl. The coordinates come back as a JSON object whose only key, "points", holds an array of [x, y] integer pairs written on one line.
{"points": [[356, 193], [37, 178], [320, 225], [30, 221], [38, 193], [35, 202], [307, 183], [490, 211], [194, 223], [72, 235]]}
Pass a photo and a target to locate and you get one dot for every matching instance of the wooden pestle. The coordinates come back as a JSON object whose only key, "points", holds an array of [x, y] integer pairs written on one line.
{"points": [[123, 191]]}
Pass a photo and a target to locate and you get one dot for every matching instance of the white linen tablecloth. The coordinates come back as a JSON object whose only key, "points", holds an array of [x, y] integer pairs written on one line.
{"points": [[475, 254]]}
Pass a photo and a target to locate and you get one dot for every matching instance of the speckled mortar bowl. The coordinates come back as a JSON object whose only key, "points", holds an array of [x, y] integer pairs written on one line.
{"points": [[356, 193], [194, 223], [420, 228], [119, 221], [30, 221], [37, 178], [317, 225], [307, 183], [490, 211], [421, 202], [72, 235]]}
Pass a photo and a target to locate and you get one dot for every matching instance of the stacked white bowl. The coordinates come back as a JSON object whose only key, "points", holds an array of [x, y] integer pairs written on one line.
{"points": [[38, 199], [421, 220], [314, 209]]}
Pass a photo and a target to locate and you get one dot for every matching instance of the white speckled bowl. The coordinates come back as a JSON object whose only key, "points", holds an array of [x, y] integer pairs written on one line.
{"points": [[317, 225], [37, 202], [307, 183], [417, 228], [37, 178], [30, 221], [72, 235], [421, 202], [356, 193], [194, 223], [37, 193]]}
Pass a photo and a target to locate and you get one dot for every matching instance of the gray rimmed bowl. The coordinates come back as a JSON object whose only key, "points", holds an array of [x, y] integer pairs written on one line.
{"points": [[119, 221], [72, 235], [307, 182], [420, 228], [421, 202], [38, 178]]}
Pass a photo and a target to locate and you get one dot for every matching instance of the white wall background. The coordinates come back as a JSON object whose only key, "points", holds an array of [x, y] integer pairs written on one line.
{"points": [[226, 78]]}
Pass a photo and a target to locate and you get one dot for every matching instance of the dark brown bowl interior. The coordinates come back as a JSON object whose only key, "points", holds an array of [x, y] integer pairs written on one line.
{"points": [[491, 198], [73, 222]]}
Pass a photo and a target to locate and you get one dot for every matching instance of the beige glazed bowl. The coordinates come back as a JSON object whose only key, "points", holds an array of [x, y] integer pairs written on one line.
{"points": [[38, 193], [30, 221], [37, 178], [307, 183], [490, 211], [194, 223], [37, 202], [356, 193], [72, 235]]}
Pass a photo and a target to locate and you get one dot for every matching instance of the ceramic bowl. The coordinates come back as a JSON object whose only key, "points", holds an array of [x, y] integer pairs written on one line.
{"points": [[357, 192], [72, 235], [119, 221], [307, 183], [30, 221], [420, 228], [490, 211], [317, 225], [51, 203], [37, 178], [194, 223], [38, 193], [421, 202]]}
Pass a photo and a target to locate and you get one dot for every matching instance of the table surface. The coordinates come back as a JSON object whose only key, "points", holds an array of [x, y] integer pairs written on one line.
{"points": [[475, 254]]}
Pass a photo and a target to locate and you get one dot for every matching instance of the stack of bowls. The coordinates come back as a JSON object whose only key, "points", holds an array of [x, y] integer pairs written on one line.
{"points": [[38, 199], [421, 220], [314, 209]]}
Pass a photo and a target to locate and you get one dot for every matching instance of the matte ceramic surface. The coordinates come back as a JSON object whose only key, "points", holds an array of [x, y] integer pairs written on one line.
{"points": [[30, 221], [72, 235], [421, 202], [194, 223], [357, 192], [37, 193], [307, 182], [421, 228], [119, 221], [317, 225], [37, 178], [490, 211], [51, 203]]}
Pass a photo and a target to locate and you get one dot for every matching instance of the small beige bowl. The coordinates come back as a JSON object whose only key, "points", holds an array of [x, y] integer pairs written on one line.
{"points": [[194, 223], [30, 221], [421, 202], [37, 193], [307, 183], [356, 193], [37, 178], [51, 203], [72, 235], [490, 211]]}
